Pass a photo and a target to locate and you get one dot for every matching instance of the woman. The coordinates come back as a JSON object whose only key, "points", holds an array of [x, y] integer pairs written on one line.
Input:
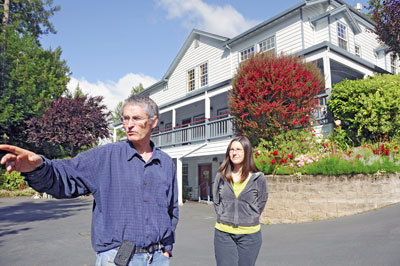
{"points": [[239, 195]]}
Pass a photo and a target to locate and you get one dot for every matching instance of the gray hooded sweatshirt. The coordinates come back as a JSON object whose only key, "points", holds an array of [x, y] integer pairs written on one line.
{"points": [[245, 210]]}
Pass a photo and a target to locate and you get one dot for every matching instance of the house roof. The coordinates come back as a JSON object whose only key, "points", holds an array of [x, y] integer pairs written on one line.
{"points": [[342, 6]]}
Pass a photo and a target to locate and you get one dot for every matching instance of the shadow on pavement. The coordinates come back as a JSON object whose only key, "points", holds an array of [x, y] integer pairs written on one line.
{"points": [[36, 211]]}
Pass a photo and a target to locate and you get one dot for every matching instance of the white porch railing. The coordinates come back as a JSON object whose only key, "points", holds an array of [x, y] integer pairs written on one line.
{"points": [[197, 131]]}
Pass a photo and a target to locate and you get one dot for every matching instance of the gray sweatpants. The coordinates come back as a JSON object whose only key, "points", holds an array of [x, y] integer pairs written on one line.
{"points": [[236, 249]]}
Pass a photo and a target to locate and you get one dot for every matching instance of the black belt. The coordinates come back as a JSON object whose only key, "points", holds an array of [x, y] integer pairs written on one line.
{"points": [[149, 249]]}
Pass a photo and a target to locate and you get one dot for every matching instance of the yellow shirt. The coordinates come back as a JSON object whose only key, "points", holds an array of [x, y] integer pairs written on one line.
{"points": [[237, 189]]}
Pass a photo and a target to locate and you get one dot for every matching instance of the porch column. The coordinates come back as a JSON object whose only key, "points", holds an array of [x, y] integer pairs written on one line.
{"points": [[207, 106], [327, 72], [173, 118], [179, 179]]}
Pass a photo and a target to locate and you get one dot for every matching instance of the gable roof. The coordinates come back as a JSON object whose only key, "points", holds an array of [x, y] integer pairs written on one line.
{"points": [[341, 9]]}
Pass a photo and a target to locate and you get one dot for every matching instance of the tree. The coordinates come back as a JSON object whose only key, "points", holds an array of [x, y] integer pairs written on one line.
{"points": [[137, 89], [28, 16], [386, 16], [69, 126], [116, 118], [31, 78], [272, 94]]}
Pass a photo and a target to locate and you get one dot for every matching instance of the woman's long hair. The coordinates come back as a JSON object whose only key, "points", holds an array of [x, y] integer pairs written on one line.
{"points": [[248, 164]]}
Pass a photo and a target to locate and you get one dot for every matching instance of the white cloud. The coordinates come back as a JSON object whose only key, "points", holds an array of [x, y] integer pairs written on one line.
{"points": [[222, 20], [113, 92]]}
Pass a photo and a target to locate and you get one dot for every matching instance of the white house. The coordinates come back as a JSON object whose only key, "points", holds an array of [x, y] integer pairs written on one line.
{"points": [[195, 126]]}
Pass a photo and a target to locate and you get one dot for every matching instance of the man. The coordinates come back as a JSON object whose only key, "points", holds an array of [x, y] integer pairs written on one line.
{"points": [[133, 184]]}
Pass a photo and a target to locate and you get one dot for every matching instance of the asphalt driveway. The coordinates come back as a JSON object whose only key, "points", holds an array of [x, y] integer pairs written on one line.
{"points": [[57, 233]]}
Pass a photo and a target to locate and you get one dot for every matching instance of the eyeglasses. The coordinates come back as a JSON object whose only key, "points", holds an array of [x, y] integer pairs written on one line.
{"points": [[236, 150], [134, 120]]}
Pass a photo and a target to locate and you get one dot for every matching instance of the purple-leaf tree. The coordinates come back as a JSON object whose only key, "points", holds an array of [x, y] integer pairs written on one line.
{"points": [[386, 16], [69, 126]]}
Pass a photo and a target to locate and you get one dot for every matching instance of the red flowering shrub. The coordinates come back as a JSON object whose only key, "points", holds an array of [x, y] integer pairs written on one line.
{"points": [[271, 94]]}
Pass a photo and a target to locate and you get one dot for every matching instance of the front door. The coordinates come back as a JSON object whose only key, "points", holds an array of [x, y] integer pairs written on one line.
{"points": [[205, 181]]}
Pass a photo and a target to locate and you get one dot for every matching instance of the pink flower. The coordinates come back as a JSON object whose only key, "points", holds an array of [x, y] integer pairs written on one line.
{"points": [[338, 123]]}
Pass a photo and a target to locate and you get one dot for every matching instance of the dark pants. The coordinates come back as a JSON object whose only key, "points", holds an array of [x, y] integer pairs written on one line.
{"points": [[236, 250]]}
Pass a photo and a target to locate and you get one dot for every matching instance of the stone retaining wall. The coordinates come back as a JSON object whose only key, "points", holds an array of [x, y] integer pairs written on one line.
{"points": [[295, 199]]}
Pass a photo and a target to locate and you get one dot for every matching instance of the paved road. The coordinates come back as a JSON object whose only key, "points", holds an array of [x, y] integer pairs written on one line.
{"points": [[57, 233]]}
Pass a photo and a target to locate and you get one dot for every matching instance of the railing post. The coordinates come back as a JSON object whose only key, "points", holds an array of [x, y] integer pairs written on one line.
{"points": [[207, 129]]}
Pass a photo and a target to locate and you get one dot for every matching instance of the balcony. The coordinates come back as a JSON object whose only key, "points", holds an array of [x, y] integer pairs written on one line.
{"points": [[198, 131]]}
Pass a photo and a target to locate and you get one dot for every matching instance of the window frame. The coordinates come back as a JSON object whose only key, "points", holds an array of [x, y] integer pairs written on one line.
{"points": [[246, 53], [359, 50], [342, 40], [265, 43], [191, 82], [203, 75]]}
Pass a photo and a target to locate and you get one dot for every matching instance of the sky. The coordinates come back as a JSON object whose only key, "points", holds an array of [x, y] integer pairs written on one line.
{"points": [[112, 46]]}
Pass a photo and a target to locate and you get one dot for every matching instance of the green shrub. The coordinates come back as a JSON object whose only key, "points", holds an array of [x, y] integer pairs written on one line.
{"points": [[11, 181], [368, 108]]}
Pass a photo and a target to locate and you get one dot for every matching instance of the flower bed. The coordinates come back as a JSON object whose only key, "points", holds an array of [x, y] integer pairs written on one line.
{"points": [[306, 154]]}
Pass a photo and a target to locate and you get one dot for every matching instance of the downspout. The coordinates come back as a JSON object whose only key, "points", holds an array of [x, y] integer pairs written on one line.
{"points": [[230, 58], [329, 29], [302, 28]]}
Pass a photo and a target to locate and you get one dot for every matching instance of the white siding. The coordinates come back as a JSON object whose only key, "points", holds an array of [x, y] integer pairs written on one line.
{"points": [[287, 38], [209, 51], [322, 31]]}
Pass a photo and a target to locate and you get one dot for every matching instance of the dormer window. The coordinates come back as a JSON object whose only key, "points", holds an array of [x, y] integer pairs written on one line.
{"points": [[246, 53], [204, 75], [191, 80], [342, 35]]}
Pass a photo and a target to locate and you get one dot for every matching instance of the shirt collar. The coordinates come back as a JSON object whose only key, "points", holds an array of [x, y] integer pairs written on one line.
{"points": [[131, 152]]}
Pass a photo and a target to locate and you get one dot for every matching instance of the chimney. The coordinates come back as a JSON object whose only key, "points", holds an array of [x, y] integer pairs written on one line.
{"points": [[358, 7]]}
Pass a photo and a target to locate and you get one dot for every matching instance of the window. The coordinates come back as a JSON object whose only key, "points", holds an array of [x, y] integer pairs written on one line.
{"points": [[204, 75], [191, 80], [267, 45], [197, 77], [357, 50], [185, 174], [342, 35], [246, 53], [393, 66]]}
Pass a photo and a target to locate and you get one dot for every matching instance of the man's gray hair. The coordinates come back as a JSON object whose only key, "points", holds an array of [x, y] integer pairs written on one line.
{"points": [[149, 106]]}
